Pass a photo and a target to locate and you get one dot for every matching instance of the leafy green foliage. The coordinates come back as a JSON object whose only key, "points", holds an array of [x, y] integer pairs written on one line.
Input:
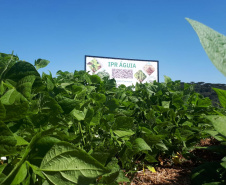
{"points": [[78, 128]]}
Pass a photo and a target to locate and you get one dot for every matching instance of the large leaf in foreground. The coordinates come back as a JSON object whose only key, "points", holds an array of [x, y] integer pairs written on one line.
{"points": [[7, 140], [65, 164], [21, 175], [219, 123], [213, 43]]}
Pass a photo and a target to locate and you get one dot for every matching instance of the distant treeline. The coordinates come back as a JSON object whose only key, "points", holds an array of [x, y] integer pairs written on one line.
{"points": [[206, 90]]}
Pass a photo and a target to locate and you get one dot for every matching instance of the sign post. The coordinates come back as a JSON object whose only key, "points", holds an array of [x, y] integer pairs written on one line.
{"points": [[124, 71]]}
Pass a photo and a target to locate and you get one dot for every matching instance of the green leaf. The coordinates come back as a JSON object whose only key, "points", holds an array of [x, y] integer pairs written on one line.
{"points": [[214, 134], [50, 85], [20, 141], [36, 170], [2, 88], [16, 112], [112, 104], [166, 104], [223, 162], [68, 104], [2, 167], [89, 115], [21, 70], [2, 111], [101, 156], [113, 175], [12, 96], [2, 177], [167, 79], [98, 97], [221, 96], [6, 62], [50, 106], [121, 133], [122, 177], [10, 177], [21, 175], [40, 63], [151, 158], [213, 43], [24, 86], [206, 173], [161, 146], [43, 145], [140, 145], [95, 79], [65, 164], [123, 123], [219, 123], [206, 102], [96, 119], [152, 169], [7, 140], [79, 115], [45, 183]]}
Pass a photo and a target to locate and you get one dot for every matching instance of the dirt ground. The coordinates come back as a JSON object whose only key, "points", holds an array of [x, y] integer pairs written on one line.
{"points": [[175, 174]]}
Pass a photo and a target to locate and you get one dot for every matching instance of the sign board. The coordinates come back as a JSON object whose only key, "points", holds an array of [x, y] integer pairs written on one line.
{"points": [[124, 71]]}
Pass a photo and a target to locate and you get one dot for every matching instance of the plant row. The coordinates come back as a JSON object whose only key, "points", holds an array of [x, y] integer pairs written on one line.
{"points": [[77, 128]]}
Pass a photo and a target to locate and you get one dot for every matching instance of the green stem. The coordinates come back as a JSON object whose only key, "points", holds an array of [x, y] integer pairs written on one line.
{"points": [[80, 128]]}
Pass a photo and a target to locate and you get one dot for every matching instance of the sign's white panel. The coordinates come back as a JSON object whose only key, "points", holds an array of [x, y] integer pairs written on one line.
{"points": [[124, 71]]}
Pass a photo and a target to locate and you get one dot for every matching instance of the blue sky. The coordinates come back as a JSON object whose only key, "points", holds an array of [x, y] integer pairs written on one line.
{"points": [[64, 31]]}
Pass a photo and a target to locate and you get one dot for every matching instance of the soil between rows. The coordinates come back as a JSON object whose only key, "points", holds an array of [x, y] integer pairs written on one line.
{"points": [[177, 174]]}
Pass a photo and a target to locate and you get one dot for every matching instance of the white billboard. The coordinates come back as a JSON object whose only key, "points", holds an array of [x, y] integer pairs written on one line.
{"points": [[124, 71]]}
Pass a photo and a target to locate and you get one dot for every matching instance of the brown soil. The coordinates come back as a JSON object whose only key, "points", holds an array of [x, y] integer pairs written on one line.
{"points": [[164, 175], [176, 174]]}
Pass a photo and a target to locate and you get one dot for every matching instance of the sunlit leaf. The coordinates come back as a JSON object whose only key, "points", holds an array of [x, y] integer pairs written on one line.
{"points": [[40, 63], [213, 43], [221, 96], [21, 175], [219, 123], [65, 164], [79, 115], [20, 141], [151, 168]]}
